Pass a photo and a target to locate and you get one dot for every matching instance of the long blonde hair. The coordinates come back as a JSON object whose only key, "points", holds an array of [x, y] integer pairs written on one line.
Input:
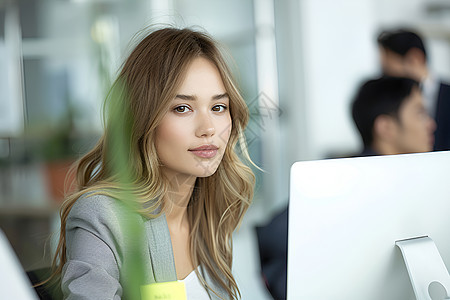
{"points": [[137, 101]]}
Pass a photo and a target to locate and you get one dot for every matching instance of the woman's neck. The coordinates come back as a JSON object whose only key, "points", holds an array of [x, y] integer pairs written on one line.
{"points": [[177, 200]]}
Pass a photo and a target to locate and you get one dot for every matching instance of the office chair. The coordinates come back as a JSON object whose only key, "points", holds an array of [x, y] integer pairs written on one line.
{"points": [[51, 291]]}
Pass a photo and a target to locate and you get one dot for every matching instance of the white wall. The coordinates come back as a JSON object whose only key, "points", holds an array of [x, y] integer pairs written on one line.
{"points": [[338, 53]]}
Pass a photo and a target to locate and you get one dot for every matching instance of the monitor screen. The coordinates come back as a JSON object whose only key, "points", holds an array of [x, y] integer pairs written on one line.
{"points": [[13, 282], [345, 216]]}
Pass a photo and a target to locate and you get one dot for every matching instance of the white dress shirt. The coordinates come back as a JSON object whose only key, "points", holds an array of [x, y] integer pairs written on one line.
{"points": [[430, 89]]}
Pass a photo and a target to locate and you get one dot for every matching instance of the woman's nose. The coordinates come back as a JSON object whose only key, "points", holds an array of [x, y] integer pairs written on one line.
{"points": [[205, 127]]}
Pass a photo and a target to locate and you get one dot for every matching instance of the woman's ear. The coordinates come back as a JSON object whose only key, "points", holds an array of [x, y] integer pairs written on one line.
{"points": [[385, 128]]}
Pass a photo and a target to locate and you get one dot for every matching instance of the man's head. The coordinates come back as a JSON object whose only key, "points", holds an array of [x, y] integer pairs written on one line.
{"points": [[402, 53], [391, 118]]}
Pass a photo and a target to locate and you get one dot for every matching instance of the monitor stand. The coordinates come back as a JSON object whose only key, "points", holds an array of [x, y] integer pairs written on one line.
{"points": [[426, 269]]}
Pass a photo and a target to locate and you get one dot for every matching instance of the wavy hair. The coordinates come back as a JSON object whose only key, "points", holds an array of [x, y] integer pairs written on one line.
{"points": [[135, 105]]}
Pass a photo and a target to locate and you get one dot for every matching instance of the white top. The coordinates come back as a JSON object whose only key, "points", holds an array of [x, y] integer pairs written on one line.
{"points": [[194, 288]]}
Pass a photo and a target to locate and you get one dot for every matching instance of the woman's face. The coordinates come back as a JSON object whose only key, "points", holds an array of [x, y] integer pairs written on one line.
{"points": [[194, 132]]}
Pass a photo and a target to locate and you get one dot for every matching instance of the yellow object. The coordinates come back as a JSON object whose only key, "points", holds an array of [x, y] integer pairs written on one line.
{"points": [[173, 290]]}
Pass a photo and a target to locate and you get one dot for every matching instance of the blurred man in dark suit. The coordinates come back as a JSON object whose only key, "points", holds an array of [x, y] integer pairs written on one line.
{"points": [[402, 53], [272, 246], [390, 115]]}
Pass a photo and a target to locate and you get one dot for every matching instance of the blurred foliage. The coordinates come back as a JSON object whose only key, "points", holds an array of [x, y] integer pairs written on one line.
{"points": [[57, 143]]}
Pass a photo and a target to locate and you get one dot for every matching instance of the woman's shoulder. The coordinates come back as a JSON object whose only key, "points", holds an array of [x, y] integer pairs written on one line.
{"points": [[94, 203], [98, 209]]}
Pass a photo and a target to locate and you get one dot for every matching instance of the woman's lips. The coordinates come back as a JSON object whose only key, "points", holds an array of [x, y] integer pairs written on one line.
{"points": [[206, 151]]}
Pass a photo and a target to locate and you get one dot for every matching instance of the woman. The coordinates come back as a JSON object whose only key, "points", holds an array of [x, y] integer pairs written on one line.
{"points": [[159, 196]]}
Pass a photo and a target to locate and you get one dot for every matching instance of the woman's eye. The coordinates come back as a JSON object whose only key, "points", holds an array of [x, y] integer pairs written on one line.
{"points": [[181, 109], [219, 108]]}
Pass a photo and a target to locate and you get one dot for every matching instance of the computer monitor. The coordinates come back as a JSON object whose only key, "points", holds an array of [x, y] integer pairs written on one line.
{"points": [[346, 215], [13, 282]]}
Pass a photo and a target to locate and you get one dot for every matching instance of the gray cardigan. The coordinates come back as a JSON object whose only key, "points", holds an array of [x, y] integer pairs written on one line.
{"points": [[100, 248]]}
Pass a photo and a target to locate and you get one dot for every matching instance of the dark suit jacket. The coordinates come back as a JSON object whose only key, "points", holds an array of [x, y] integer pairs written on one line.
{"points": [[442, 117], [367, 152], [272, 243]]}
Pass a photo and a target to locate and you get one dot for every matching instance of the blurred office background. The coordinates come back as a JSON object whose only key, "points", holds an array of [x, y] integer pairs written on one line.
{"points": [[298, 63]]}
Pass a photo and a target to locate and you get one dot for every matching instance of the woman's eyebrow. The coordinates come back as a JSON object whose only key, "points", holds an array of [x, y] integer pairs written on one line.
{"points": [[186, 97], [193, 97], [220, 96]]}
